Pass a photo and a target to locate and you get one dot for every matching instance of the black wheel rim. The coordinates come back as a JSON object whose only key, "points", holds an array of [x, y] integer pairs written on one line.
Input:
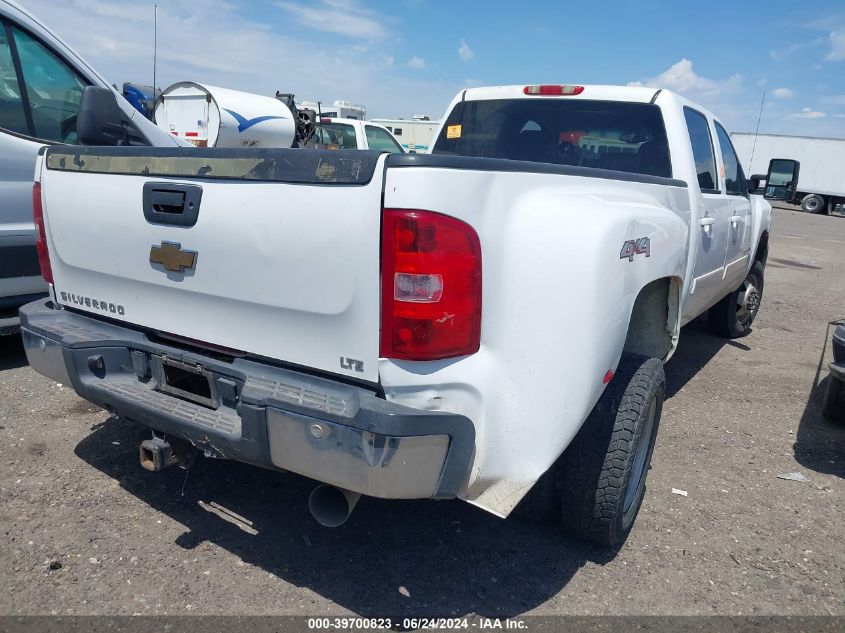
{"points": [[640, 464]]}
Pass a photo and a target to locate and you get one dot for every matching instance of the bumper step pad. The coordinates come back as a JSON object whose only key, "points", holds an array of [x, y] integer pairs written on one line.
{"points": [[219, 421]]}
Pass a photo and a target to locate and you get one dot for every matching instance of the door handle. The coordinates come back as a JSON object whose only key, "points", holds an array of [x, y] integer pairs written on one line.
{"points": [[706, 222], [171, 203], [736, 219], [167, 201]]}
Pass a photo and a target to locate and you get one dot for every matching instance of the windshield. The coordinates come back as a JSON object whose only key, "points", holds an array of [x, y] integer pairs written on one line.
{"points": [[614, 135]]}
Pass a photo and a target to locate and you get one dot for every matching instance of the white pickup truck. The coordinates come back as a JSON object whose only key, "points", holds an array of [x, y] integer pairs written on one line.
{"points": [[461, 324]]}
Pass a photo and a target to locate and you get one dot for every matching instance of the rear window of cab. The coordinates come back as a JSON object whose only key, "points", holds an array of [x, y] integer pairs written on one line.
{"points": [[621, 136]]}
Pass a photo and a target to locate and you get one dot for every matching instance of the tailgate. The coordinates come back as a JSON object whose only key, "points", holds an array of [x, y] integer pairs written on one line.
{"points": [[270, 252]]}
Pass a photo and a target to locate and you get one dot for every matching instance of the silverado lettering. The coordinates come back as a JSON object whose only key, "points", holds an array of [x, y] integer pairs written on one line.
{"points": [[96, 304]]}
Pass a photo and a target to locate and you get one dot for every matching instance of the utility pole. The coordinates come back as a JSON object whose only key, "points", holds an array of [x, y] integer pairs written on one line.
{"points": [[155, 43]]}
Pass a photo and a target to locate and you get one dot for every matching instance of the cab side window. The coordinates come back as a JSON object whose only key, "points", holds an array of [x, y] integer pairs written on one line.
{"points": [[39, 93], [381, 140], [734, 178], [53, 90], [12, 112], [702, 150]]}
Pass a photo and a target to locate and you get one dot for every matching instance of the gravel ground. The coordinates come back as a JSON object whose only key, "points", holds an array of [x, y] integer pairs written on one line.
{"points": [[87, 531]]}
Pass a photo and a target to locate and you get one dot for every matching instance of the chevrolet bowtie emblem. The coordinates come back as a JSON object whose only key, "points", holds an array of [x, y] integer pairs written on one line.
{"points": [[172, 257]]}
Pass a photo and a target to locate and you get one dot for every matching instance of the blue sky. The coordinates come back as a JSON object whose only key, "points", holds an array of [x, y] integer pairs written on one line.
{"points": [[410, 57]]}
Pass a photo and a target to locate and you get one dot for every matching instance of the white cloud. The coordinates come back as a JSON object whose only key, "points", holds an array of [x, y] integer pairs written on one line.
{"points": [[781, 54], [211, 41], [416, 63], [834, 26], [782, 93], [681, 78], [344, 17], [837, 47], [465, 52], [809, 113]]}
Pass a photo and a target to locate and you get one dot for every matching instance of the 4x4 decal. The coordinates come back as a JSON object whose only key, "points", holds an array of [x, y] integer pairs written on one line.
{"points": [[635, 247]]}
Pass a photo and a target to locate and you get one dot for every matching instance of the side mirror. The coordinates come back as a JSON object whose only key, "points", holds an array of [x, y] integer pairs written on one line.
{"points": [[100, 120], [782, 179]]}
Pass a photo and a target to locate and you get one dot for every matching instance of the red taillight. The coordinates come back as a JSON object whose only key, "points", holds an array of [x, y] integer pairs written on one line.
{"points": [[430, 286], [41, 234], [552, 90]]}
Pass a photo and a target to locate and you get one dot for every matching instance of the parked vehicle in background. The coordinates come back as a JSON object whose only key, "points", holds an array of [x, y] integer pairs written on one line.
{"points": [[142, 98], [834, 399], [41, 86], [331, 133], [415, 135], [336, 110], [821, 188], [486, 320]]}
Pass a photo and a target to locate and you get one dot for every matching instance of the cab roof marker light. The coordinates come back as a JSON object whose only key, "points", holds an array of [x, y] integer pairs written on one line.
{"points": [[552, 90]]}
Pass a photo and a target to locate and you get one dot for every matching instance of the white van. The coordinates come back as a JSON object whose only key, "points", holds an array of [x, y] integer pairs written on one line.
{"points": [[41, 85]]}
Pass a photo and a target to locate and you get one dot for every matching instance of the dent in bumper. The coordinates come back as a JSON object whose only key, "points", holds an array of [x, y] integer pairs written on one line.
{"points": [[378, 465]]}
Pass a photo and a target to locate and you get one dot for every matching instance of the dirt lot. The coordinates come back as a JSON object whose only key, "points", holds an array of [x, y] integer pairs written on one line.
{"points": [[88, 531]]}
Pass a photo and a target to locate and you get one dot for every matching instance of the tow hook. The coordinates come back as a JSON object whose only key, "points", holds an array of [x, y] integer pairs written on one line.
{"points": [[159, 453]]}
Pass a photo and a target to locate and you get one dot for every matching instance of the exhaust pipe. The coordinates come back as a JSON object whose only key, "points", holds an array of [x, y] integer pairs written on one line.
{"points": [[331, 506], [158, 453]]}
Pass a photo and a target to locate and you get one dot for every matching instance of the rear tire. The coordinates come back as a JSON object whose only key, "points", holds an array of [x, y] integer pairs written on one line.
{"points": [[602, 474], [733, 315], [813, 203], [834, 400]]}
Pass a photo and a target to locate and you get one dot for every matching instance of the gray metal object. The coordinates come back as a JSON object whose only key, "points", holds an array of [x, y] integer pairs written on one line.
{"points": [[260, 414], [156, 454], [370, 463]]}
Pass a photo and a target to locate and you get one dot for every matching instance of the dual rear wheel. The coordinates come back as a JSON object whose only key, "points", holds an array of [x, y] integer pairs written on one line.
{"points": [[596, 488]]}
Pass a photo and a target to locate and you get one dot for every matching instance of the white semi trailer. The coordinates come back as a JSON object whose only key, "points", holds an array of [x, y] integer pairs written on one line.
{"points": [[209, 116], [415, 135], [821, 181]]}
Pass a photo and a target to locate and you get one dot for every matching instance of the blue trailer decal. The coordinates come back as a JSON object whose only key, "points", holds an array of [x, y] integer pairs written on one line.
{"points": [[245, 124]]}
